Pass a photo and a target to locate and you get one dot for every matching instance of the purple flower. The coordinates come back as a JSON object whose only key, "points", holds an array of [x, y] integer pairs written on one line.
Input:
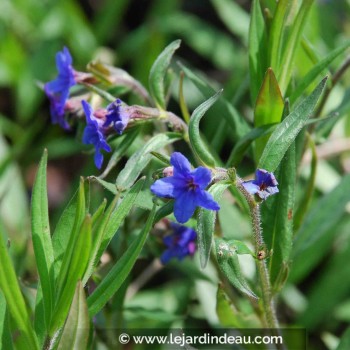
{"points": [[264, 185], [58, 90], [180, 243], [94, 133], [117, 116], [187, 187]]}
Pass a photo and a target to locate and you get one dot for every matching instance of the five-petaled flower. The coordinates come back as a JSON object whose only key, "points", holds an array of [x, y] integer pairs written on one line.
{"points": [[95, 133], [187, 187], [264, 185], [117, 115], [57, 90], [181, 243]]}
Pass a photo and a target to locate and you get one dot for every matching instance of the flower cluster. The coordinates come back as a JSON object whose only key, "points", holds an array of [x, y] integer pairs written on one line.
{"points": [[57, 90], [98, 123], [187, 187], [181, 243]]}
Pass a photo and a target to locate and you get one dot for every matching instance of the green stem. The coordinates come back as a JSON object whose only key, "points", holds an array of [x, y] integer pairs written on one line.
{"points": [[269, 307]]}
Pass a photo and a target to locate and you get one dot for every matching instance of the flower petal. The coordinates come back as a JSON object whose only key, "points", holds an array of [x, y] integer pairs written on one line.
{"points": [[184, 206], [182, 166], [202, 177], [251, 187], [166, 187], [205, 199], [166, 256], [98, 158], [262, 176]]}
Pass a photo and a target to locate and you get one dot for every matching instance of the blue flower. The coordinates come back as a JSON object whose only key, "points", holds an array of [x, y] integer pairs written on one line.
{"points": [[264, 185], [58, 90], [187, 187], [94, 134], [117, 116], [181, 243]]}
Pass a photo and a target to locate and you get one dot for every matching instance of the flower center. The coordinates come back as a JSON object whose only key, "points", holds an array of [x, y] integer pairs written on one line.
{"points": [[192, 185], [263, 187]]}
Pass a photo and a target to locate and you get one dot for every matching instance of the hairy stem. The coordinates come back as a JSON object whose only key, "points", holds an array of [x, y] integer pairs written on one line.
{"points": [[269, 307]]}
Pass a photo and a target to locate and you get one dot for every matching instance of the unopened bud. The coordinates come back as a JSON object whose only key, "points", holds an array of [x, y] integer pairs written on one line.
{"points": [[168, 171]]}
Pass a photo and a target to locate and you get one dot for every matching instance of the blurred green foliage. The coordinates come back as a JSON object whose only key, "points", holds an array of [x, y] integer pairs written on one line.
{"points": [[214, 34]]}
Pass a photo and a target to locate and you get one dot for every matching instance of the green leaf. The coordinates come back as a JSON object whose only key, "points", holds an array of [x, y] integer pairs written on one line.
{"points": [[199, 148], [330, 289], [206, 224], [42, 244], [229, 265], [228, 315], [268, 108], [15, 302], [227, 10], [117, 275], [75, 273], [243, 144], [277, 33], [2, 314], [63, 230], [158, 72], [109, 225], [292, 45], [223, 108], [317, 70], [288, 129], [344, 341], [71, 238], [239, 247], [76, 330], [306, 199], [277, 215], [257, 49], [126, 141], [139, 160], [316, 233], [164, 211]]}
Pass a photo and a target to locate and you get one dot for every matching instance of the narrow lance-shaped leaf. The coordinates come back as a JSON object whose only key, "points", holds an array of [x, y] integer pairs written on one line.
{"points": [[277, 217], [293, 42], [313, 239], [109, 225], [238, 125], [76, 330], [277, 33], [257, 49], [206, 224], [117, 275], [307, 197], [268, 108], [71, 238], [241, 147], [229, 265], [139, 160], [158, 72], [14, 298], [317, 70], [329, 289], [288, 129], [42, 244], [76, 271], [198, 146]]}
